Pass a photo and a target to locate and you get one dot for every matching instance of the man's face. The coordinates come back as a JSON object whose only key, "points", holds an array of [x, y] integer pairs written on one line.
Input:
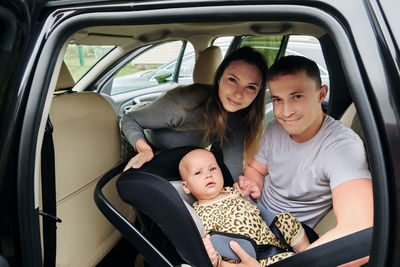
{"points": [[202, 175], [297, 104]]}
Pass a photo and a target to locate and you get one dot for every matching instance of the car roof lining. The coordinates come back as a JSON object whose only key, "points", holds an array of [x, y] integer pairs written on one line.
{"points": [[125, 34]]}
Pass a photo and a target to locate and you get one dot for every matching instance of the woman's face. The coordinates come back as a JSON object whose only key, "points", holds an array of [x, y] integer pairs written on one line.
{"points": [[239, 85]]}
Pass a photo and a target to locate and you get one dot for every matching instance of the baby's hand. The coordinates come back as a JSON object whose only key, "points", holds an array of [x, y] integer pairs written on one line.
{"points": [[210, 250], [243, 186]]}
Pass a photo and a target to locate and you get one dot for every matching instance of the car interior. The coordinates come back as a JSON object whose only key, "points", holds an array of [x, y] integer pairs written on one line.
{"points": [[85, 119]]}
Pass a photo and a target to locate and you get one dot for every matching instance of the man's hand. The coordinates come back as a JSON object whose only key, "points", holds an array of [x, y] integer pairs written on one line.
{"points": [[255, 172], [245, 259], [248, 188]]}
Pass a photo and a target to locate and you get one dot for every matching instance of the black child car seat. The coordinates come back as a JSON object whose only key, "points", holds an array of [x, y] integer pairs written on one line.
{"points": [[171, 235]]}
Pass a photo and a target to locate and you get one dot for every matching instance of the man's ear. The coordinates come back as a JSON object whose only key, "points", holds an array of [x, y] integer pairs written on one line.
{"points": [[323, 92], [185, 188]]}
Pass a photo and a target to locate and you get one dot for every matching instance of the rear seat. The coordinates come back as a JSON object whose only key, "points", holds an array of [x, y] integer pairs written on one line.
{"points": [[351, 120], [87, 145], [206, 65]]}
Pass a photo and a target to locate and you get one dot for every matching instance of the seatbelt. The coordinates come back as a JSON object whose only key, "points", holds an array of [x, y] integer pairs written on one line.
{"points": [[49, 198]]}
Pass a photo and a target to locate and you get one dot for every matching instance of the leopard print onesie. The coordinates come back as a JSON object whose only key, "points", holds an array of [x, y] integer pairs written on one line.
{"points": [[237, 215]]}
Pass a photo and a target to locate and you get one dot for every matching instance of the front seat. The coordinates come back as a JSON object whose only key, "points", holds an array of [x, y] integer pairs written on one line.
{"points": [[351, 120], [206, 65], [86, 145]]}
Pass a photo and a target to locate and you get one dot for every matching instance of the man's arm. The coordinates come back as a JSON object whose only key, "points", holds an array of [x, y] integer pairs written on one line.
{"points": [[255, 172], [354, 211]]}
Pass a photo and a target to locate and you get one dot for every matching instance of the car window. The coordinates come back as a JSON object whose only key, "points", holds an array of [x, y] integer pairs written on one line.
{"points": [[308, 46], [80, 58], [223, 43], [155, 66], [267, 45]]}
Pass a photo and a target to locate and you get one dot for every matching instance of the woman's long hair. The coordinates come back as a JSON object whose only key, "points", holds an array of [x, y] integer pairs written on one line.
{"points": [[215, 115]]}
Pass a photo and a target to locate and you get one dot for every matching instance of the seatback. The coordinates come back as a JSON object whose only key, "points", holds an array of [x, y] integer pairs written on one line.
{"points": [[206, 65], [87, 145], [351, 120]]}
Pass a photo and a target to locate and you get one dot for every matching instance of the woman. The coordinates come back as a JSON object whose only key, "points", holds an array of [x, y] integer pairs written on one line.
{"points": [[228, 114]]}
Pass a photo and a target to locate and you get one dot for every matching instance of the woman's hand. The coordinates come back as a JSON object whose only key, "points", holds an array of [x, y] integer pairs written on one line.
{"points": [[145, 154], [245, 259], [212, 254], [139, 159]]}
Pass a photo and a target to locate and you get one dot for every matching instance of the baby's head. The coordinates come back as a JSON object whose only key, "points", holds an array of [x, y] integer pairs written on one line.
{"points": [[201, 174]]}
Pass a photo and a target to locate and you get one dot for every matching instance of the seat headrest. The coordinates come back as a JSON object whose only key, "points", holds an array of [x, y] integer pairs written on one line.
{"points": [[65, 80], [206, 65]]}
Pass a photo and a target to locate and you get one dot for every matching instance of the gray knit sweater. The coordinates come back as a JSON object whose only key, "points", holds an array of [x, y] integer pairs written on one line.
{"points": [[171, 121]]}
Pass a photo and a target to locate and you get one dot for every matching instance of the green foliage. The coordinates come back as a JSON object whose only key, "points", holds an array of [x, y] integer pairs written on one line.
{"points": [[80, 58], [267, 45]]}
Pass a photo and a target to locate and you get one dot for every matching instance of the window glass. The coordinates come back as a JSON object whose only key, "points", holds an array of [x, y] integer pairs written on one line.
{"points": [[267, 45], [223, 43], [309, 46], [155, 66], [80, 58]]}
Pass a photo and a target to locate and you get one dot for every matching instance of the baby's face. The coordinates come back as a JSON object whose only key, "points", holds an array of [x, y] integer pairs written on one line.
{"points": [[201, 175]]}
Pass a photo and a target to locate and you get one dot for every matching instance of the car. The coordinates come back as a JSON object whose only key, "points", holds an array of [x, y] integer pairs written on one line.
{"points": [[60, 132]]}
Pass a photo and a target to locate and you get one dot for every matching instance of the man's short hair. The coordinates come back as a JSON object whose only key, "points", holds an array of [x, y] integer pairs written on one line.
{"points": [[293, 65]]}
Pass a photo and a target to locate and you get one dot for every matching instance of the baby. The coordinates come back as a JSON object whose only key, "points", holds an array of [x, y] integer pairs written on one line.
{"points": [[225, 210]]}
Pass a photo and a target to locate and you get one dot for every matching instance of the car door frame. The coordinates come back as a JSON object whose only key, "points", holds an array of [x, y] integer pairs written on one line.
{"points": [[382, 241], [15, 36]]}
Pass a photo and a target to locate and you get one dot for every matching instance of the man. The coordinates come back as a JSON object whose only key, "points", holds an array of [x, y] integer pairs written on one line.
{"points": [[309, 162]]}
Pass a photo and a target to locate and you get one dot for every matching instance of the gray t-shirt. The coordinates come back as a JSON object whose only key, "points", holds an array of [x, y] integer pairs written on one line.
{"points": [[172, 120], [301, 175]]}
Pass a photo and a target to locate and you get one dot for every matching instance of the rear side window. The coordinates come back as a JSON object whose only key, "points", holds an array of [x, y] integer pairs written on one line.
{"points": [[309, 47], [223, 43], [81, 58], [157, 65]]}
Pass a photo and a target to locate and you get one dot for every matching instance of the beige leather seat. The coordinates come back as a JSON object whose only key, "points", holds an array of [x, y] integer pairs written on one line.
{"points": [[206, 65], [351, 120], [87, 145]]}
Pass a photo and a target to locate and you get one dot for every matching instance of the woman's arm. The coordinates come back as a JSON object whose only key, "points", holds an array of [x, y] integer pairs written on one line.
{"points": [[163, 113]]}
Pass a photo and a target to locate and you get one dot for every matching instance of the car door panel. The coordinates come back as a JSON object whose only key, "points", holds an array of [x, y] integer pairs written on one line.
{"points": [[122, 102]]}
